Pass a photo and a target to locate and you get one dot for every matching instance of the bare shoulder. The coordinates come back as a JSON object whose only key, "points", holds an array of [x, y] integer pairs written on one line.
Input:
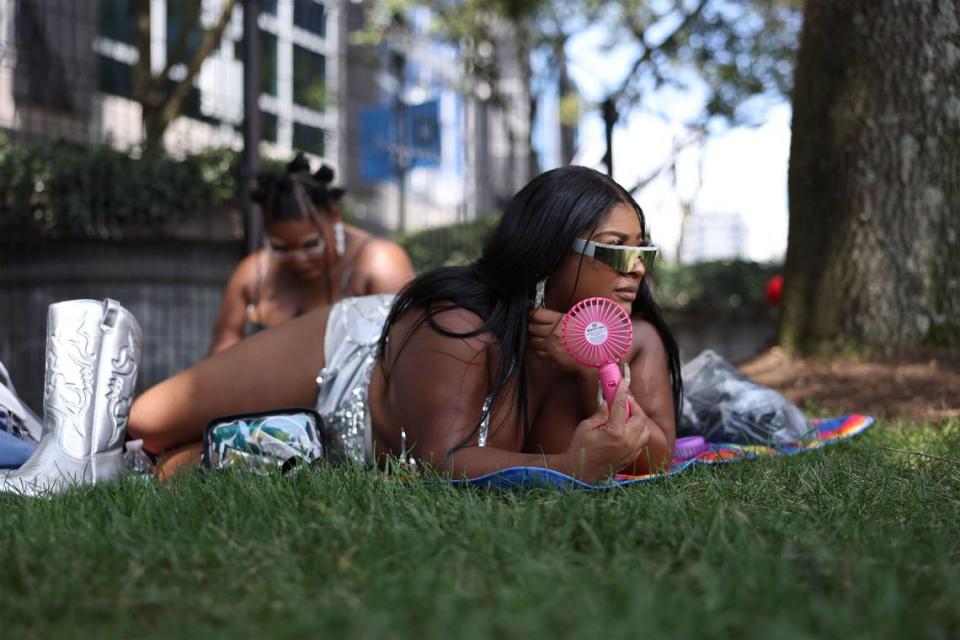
{"points": [[246, 274], [647, 342], [458, 320], [252, 261], [380, 253], [448, 322], [449, 330]]}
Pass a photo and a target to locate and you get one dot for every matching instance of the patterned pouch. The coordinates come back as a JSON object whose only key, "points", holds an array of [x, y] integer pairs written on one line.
{"points": [[280, 439]]}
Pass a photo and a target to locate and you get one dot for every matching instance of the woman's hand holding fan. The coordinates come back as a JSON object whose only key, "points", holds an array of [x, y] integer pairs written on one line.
{"points": [[597, 333]]}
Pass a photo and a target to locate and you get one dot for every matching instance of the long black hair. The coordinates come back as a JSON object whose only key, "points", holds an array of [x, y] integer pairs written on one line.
{"points": [[534, 236]]}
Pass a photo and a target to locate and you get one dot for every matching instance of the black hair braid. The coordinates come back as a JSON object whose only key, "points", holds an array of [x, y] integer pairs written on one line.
{"points": [[299, 164], [277, 192], [324, 175]]}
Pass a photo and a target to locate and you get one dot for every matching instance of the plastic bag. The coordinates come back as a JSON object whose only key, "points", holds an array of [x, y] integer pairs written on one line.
{"points": [[137, 460], [723, 405]]}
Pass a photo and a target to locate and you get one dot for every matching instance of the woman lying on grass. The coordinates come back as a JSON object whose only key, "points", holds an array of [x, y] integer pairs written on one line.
{"points": [[462, 370]]}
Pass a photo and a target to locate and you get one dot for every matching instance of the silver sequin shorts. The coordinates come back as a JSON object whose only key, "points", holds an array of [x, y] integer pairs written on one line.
{"points": [[350, 345]]}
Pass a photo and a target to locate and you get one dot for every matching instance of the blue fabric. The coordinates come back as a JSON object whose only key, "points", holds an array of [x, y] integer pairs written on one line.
{"points": [[13, 451], [824, 432], [538, 477]]}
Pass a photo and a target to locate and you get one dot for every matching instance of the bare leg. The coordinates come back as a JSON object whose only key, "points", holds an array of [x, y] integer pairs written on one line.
{"points": [[270, 370], [179, 459]]}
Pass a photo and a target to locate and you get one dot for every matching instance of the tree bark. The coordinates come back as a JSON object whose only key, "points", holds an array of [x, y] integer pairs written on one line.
{"points": [[874, 180]]}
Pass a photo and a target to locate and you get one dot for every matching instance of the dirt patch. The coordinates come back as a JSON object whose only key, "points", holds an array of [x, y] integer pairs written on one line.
{"points": [[923, 385]]}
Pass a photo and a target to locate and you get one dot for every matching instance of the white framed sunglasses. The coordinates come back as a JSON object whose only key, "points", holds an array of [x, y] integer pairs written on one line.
{"points": [[310, 249]]}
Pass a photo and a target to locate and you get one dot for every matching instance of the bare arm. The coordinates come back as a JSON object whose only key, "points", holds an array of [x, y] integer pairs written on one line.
{"points": [[228, 329], [438, 384], [650, 384]]}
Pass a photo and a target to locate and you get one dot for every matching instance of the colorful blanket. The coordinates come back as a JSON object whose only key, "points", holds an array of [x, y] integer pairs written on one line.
{"points": [[822, 433]]}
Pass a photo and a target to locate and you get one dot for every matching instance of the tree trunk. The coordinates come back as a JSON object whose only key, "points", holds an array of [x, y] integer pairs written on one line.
{"points": [[874, 180]]}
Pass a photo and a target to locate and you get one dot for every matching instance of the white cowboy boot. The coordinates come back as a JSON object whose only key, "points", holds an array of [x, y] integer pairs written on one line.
{"points": [[93, 351]]}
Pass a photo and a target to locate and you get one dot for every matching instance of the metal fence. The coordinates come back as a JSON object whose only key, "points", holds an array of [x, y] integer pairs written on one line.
{"points": [[87, 212]]}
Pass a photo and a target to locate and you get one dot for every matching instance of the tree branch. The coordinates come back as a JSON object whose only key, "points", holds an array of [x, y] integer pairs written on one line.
{"points": [[697, 136], [210, 41], [180, 48], [649, 50], [142, 78]]}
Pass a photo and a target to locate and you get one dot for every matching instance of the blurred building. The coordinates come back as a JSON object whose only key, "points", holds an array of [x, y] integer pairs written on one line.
{"points": [[713, 236], [69, 73], [66, 71], [483, 154]]}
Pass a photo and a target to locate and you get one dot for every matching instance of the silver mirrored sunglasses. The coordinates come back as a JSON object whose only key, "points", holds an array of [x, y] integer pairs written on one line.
{"points": [[620, 257]]}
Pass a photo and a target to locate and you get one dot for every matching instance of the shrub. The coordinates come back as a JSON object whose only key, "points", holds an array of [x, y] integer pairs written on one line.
{"points": [[60, 188], [456, 244], [712, 286]]}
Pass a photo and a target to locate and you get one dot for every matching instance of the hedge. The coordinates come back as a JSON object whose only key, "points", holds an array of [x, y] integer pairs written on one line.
{"points": [[56, 188]]}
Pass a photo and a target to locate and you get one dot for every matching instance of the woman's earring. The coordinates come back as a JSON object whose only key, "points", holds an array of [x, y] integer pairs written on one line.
{"points": [[540, 294], [339, 238]]}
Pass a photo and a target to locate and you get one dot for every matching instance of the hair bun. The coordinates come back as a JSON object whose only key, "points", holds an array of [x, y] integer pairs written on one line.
{"points": [[299, 164], [324, 174]]}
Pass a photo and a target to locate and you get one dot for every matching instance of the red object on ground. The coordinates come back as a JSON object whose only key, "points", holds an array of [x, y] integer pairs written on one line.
{"points": [[774, 290]]}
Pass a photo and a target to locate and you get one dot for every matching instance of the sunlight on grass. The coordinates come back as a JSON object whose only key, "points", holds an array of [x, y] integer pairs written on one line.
{"points": [[856, 540]]}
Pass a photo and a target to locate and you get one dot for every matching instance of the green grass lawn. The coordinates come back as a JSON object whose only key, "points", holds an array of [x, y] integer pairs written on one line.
{"points": [[856, 541]]}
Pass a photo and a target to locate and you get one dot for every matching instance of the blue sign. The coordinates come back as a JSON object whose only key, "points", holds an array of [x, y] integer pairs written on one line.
{"points": [[376, 140], [423, 134], [381, 151]]}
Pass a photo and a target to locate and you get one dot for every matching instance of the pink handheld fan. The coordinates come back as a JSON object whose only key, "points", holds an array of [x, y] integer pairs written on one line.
{"points": [[597, 332]]}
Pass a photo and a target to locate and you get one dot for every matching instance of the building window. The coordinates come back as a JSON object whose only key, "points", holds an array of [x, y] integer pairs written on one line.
{"points": [[268, 62], [307, 138], [309, 79], [116, 20], [310, 16], [182, 15], [268, 126], [268, 6], [114, 77]]}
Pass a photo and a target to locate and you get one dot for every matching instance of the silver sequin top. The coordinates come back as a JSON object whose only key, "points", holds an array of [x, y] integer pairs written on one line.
{"points": [[350, 344]]}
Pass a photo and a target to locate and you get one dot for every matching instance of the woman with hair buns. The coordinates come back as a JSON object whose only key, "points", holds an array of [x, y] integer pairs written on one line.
{"points": [[311, 258]]}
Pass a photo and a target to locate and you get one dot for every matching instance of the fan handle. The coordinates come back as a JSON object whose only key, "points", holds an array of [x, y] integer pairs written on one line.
{"points": [[609, 379]]}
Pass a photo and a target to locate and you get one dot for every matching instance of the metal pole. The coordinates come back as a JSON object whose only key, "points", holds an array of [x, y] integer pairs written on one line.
{"points": [[609, 119], [401, 156], [252, 216]]}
